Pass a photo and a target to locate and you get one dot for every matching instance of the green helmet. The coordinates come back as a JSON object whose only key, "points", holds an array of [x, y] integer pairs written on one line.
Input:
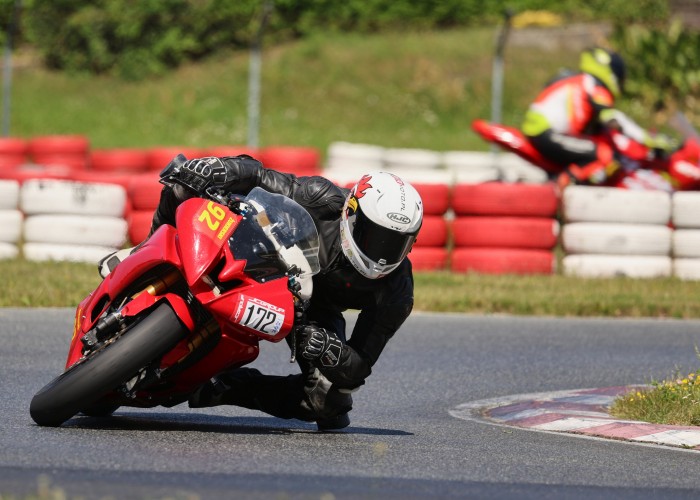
{"points": [[607, 66]]}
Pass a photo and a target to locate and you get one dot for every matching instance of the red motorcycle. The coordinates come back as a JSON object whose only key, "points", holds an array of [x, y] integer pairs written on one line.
{"points": [[640, 167], [192, 302]]}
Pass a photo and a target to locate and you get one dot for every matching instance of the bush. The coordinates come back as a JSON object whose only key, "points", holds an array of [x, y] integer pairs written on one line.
{"points": [[663, 65], [135, 38]]}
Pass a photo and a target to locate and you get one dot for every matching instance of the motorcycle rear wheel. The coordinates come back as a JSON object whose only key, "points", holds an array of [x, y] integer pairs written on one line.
{"points": [[104, 370]]}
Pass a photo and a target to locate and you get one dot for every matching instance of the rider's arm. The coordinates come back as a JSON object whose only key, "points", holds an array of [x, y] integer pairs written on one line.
{"points": [[242, 173], [374, 327], [614, 118]]}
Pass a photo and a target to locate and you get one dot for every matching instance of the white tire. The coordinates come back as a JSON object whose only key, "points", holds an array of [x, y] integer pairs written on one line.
{"points": [[612, 266], [10, 226], [64, 197], [411, 158], [687, 269], [76, 230], [356, 153], [468, 160], [607, 204], [686, 243], [8, 251], [72, 253], [9, 195], [686, 207], [617, 239]]}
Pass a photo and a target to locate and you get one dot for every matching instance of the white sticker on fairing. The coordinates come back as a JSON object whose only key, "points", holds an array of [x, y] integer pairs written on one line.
{"points": [[259, 315]]}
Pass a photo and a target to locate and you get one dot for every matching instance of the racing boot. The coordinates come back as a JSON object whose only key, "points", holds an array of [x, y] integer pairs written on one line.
{"points": [[279, 396]]}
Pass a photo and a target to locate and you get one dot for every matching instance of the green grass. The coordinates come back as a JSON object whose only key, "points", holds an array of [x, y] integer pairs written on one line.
{"points": [[396, 90], [65, 284], [673, 402]]}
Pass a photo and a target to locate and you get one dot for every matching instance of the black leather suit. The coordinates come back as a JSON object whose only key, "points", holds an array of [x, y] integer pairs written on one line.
{"points": [[384, 303]]}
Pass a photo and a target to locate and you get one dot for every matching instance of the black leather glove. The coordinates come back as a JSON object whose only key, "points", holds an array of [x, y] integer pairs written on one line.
{"points": [[320, 344], [201, 173]]}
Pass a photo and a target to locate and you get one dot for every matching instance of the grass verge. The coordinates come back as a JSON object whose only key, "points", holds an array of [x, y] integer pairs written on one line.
{"points": [[65, 284], [671, 402]]}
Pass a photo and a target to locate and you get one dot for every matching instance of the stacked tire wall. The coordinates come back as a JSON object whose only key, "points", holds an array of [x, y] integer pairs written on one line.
{"points": [[611, 232], [72, 221], [686, 235], [502, 228], [62, 200]]}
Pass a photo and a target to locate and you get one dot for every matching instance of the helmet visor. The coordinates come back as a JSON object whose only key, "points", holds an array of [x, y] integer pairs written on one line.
{"points": [[378, 243]]}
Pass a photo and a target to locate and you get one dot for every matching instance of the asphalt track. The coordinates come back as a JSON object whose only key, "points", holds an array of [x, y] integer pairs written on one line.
{"points": [[403, 441]]}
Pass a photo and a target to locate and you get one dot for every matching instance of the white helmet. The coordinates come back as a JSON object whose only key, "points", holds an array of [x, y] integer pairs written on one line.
{"points": [[380, 221]]}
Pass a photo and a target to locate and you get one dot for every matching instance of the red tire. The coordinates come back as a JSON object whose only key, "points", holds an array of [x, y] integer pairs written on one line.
{"points": [[502, 261], [221, 151], [119, 160], [158, 158], [295, 160], [10, 161], [13, 146], [122, 179], [510, 232], [428, 258], [436, 197], [68, 145], [144, 191], [433, 232], [498, 198], [72, 161], [139, 225], [24, 174]]}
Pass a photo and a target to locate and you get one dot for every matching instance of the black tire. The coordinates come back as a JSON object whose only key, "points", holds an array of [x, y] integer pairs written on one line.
{"points": [[86, 382], [99, 409]]}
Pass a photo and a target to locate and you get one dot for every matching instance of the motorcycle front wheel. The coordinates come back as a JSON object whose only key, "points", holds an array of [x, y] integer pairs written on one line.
{"points": [[107, 368]]}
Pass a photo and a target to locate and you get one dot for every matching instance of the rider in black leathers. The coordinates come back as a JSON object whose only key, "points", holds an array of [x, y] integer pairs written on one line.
{"points": [[321, 395]]}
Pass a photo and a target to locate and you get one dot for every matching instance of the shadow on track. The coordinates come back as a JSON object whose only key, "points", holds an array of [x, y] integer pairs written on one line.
{"points": [[198, 422]]}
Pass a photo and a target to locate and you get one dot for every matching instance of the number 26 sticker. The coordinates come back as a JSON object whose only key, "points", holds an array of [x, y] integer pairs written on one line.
{"points": [[259, 315]]}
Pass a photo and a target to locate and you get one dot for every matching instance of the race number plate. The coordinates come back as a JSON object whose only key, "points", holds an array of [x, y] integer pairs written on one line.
{"points": [[259, 315]]}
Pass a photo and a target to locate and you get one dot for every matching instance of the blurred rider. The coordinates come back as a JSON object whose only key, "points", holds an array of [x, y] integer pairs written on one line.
{"points": [[574, 107], [365, 234]]}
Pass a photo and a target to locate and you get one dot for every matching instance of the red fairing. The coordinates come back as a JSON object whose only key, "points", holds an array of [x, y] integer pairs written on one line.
{"points": [[511, 139], [209, 226]]}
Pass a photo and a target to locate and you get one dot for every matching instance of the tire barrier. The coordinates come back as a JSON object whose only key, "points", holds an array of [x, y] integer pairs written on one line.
{"points": [[119, 160], [9, 194], [13, 152], [11, 226], [300, 161], [343, 157], [159, 157], [222, 151], [49, 196], [610, 232], [685, 207], [139, 225], [505, 232], [612, 266], [429, 258], [70, 151], [503, 228], [144, 191], [72, 221], [608, 204], [474, 222], [8, 251], [91, 230], [504, 199], [502, 261], [41, 252]]}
